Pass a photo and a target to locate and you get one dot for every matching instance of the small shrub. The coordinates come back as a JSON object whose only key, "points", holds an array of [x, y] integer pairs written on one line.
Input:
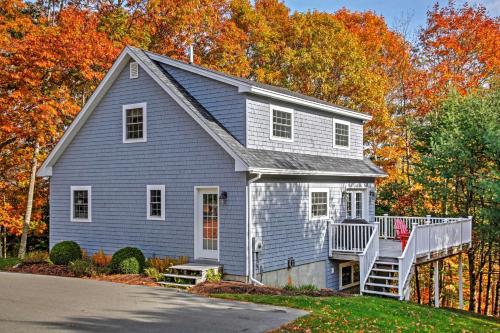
{"points": [[130, 266], [162, 264], [126, 253], [101, 259], [64, 252], [36, 257], [213, 275], [153, 273], [306, 288], [80, 267]]}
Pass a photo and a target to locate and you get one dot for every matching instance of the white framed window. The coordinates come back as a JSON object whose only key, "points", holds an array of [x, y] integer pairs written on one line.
{"points": [[156, 202], [348, 274], [134, 70], [356, 204], [281, 123], [81, 203], [319, 203], [341, 134], [135, 123]]}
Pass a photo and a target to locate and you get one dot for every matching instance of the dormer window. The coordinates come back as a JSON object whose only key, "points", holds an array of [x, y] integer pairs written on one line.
{"points": [[281, 123], [341, 134], [134, 123]]}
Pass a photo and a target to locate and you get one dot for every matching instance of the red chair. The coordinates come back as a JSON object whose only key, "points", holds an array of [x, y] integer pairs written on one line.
{"points": [[402, 232]]}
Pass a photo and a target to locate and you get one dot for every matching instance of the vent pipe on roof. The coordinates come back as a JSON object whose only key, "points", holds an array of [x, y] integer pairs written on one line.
{"points": [[191, 54]]}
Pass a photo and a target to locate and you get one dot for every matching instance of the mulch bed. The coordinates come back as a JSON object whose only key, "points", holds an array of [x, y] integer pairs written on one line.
{"points": [[62, 270], [43, 269], [230, 287]]}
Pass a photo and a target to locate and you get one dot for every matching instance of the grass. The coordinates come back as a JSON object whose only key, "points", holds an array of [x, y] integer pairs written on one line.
{"points": [[371, 314], [8, 263]]}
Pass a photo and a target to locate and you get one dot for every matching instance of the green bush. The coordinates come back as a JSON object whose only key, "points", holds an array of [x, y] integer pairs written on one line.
{"points": [[80, 267], [153, 273], [64, 252], [35, 257], [129, 266], [126, 253], [305, 288], [213, 275]]}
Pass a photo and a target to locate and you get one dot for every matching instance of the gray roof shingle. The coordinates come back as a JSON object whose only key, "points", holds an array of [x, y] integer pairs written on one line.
{"points": [[258, 159]]}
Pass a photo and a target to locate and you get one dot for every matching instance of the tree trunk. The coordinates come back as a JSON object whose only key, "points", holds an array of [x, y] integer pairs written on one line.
{"points": [[495, 305], [472, 280], [431, 273], [480, 292], [488, 286], [29, 202], [417, 284]]}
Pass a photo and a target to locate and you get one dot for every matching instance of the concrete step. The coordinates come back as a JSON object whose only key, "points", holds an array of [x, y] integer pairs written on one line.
{"points": [[380, 293], [172, 284], [381, 285]]}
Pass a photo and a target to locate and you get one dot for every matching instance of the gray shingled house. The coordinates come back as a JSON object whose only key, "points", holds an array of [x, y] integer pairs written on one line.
{"points": [[180, 160]]}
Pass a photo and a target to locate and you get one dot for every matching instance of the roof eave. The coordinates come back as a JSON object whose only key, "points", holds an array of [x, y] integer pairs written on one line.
{"points": [[269, 171]]}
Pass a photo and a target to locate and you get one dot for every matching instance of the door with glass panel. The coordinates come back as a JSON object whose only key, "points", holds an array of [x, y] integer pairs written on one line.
{"points": [[207, 223]]}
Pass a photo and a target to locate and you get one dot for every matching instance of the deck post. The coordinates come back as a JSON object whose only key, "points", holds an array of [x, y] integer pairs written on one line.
{"points": [[460, 284], [436, 284], [414, 227], [385, 225], [427, 219]]}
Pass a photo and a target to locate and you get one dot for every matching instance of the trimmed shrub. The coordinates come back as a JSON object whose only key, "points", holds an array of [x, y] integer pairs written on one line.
{"points": [[64, 252], [130, 266], [126, 253], [36, 257], [153, 273], [80, 267]]}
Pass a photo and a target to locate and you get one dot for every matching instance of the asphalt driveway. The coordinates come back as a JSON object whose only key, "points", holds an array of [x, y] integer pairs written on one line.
{"points": [[36, 303]]}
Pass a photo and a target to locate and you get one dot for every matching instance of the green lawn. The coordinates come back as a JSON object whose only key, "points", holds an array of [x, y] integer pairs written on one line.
{"points": [[371, 314], [8, 263]]}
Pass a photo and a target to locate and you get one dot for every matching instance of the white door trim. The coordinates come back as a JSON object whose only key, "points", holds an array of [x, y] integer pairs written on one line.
{"points": [[197, 247]]}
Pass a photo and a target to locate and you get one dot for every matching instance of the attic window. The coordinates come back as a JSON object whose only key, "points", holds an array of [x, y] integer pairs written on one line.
{"points": [[341, 134], [281, 123], [134, 123], [134, 70]]}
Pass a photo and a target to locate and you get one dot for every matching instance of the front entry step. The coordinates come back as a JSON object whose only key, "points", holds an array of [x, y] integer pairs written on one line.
{"points": [[188, 275]]}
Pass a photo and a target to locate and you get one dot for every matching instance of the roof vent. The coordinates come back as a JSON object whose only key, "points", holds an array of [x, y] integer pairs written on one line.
{"points": [[134, 70], [191, 54]]}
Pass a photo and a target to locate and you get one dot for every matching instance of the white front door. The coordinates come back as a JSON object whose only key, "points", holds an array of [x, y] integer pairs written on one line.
{"points": [[206, 223]]}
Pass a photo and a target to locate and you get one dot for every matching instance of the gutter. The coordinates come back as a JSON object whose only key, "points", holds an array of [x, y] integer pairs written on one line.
{"points": [[249, 231]]}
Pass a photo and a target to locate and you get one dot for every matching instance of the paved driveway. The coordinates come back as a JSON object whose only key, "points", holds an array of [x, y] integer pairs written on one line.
{"points": [[36, 303]]}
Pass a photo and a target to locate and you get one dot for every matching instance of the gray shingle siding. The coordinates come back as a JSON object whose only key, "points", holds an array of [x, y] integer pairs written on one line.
{"points": [[313, 131], [178, 153], [280, 217], [221, 100]]}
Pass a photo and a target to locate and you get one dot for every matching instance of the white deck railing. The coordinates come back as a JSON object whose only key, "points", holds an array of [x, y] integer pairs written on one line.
{"points": [[368, 257], [346, 237], [387, 230], [406, 261]]}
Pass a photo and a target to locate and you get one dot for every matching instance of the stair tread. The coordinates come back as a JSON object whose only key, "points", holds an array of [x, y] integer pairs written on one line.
{"points": [[176, 284], [386, 263], [381, 293], [191, 277], [381, 285], [384, 270], [383, 277]]}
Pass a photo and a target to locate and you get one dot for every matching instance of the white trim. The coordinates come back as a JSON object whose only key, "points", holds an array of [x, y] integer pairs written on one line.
{"points": [[198, 251], [343, 265], [321, 190], [249, 88], [89, 194], [142, 106], [270, 171], [271, 123], [46, 168], [335, 122], [148, 194], [134, 70]]}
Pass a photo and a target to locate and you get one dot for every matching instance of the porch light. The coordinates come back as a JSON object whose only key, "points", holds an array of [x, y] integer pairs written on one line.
{"points": [[223, 197]]}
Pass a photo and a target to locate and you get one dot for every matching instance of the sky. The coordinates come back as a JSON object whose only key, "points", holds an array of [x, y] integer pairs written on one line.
{"points": [[392, 10]]}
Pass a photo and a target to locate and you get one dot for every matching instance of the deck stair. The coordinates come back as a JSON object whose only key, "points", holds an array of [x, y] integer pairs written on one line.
{"points": [[187, 275], [383, 278]]}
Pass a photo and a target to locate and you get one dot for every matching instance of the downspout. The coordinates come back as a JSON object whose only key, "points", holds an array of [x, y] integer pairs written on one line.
{"points": [[250, 231]]}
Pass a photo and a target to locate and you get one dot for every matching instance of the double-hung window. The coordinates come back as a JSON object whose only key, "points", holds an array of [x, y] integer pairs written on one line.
{"points": [[355, 204], [318, 203], [81, 204], [156, 202], [341, 134], [134, 123], [281, 123]]}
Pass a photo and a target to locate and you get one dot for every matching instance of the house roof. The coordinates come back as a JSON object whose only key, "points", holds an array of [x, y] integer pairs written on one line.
{"points": [[252, 160]]}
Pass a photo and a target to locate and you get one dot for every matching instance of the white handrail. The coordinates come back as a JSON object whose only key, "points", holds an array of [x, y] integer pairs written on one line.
{"points": [[347, 237], [368, 257], [406, 260]]}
